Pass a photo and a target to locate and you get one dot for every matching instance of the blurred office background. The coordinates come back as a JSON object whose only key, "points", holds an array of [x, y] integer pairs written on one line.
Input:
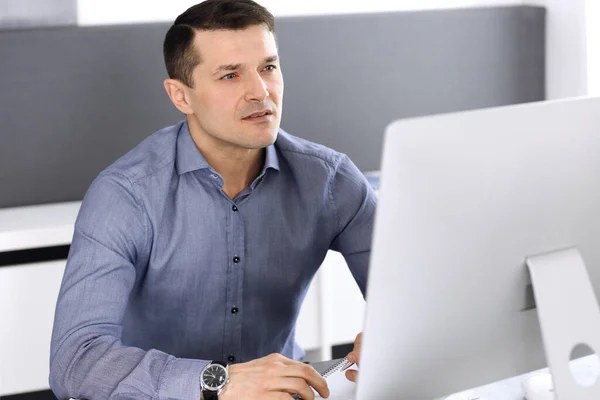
{"points": [[36, 13], [81, 83]]}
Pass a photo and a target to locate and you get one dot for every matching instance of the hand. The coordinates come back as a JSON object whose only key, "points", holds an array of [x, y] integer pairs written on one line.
{"points": [[354, 357], [273, 377]]}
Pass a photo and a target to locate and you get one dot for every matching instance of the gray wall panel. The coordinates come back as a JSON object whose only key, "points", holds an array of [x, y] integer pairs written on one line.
{"points": [[72, 100], [358, 73]]}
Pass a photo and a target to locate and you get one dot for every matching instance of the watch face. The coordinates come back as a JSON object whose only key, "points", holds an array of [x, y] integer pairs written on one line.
{"points": [[214, 376]]}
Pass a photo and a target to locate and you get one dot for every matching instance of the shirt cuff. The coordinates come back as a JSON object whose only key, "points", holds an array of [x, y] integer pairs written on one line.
{"points": [[181, 379]]}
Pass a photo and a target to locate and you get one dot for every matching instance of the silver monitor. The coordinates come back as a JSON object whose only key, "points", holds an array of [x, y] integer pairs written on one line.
{"points": [[468, 201]]}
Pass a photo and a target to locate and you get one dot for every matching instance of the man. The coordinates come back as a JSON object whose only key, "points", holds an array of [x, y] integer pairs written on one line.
{"points": [[197, 247]]}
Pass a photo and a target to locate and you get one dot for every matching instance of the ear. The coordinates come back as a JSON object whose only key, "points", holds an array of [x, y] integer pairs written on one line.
{"points": [[176, 91]]}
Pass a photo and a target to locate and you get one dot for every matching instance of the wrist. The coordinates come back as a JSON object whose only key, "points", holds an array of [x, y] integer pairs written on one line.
{"points": [[224, 393]]}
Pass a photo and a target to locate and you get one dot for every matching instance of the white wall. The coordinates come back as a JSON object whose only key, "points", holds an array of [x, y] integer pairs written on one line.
{"points": [[92, 12], [566, 48], [593, 46]]}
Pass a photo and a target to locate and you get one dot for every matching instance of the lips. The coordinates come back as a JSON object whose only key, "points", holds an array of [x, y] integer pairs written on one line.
{"points": [[259, 114]]}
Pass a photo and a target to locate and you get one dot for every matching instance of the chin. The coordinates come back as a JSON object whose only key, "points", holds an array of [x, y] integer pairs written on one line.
{"points": [[264, 139]]}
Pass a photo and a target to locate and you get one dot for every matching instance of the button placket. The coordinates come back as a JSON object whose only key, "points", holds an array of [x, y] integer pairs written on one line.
{"points": [[235, 293]]}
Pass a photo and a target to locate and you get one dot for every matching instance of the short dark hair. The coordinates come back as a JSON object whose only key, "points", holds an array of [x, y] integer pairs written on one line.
{"points": [[209, 15]]}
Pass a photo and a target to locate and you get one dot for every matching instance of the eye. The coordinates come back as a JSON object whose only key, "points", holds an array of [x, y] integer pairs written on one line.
{"points": [[270, 68], [228, 77]]}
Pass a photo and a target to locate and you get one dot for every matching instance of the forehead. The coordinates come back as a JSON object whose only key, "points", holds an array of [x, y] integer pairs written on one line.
{"points": [[252, 44]]}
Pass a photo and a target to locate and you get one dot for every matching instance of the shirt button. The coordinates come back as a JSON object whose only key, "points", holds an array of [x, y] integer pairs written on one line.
{"points": [[236, 259], [234, 310], [231, 358], [234, 208]]}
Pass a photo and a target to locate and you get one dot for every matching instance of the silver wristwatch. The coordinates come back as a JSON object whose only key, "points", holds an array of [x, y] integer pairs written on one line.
{"points": [[213, 378]]}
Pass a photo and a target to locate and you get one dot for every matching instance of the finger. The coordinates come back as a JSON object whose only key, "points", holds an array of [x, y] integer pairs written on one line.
{"points": [[310, 375], [352, 375], [294, 386], [354, 355], [279, 358], [358, 340], [277, 396]]}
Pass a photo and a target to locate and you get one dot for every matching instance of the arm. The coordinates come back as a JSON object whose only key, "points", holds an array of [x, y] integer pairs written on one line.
{"points": [[88, 359], [353, 200]]}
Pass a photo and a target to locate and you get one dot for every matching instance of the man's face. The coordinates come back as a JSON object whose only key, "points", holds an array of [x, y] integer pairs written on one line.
{"points": [[237, 87]]}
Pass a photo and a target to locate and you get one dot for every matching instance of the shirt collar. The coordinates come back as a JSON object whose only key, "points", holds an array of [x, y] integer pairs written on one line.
{"points": [[271, 158], [190, 159]]}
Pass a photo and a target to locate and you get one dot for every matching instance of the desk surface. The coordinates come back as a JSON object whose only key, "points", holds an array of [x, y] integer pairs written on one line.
{"points": [[585, 369], [37, 226]]}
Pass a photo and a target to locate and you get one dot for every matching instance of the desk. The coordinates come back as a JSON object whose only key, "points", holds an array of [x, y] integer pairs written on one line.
{"points": [[585, 369]]}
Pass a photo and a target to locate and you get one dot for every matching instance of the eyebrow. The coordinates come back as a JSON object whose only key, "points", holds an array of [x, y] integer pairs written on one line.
{"points": [[233, 67]]}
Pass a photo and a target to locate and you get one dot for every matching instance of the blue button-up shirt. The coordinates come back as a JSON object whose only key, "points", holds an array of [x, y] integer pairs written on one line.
{"points": [[161, 256]]}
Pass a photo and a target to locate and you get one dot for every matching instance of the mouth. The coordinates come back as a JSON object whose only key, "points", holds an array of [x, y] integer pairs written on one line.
{"points": [[258, 115]]}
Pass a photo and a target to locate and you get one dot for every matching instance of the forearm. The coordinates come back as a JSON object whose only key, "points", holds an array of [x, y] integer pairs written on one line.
{"points": [[102, 368]]}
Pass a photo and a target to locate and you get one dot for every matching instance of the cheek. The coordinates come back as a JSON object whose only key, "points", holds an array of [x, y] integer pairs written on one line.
{"points": [[220, 104], [277, 89]]}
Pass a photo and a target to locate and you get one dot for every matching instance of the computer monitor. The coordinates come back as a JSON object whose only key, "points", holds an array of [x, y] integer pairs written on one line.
{"points": [[465, 199]]}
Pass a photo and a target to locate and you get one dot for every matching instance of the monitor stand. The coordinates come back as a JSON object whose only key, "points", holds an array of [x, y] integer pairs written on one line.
{"points": [[569, 315]]}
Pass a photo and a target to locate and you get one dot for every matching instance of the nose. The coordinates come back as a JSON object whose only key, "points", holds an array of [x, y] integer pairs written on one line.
{"points": [[257, 90]]}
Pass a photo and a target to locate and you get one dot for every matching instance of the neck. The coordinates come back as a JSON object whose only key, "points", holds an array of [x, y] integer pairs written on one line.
{"points": [[238, 170], [238, 166]]}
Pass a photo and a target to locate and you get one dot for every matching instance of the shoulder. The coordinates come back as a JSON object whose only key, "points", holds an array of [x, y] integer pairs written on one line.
{"points": [[297, 150], [155, 153]]}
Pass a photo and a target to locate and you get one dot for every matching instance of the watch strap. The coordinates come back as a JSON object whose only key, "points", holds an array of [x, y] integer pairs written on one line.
{"points": [[210, 395]]}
